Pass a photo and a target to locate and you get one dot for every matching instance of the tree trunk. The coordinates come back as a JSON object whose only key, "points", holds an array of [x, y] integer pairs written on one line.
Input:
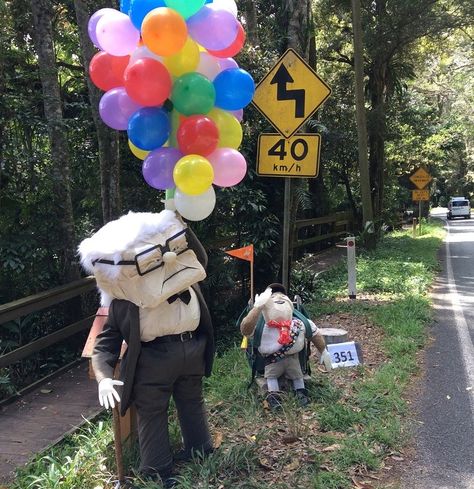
{"points": [[250, 14], [377, 82], [299, 29], [367, 206], [107, 139], [43, 37]]}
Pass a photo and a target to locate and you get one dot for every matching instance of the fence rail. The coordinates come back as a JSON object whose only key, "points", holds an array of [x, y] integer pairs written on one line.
{"points": [[341, 224], [37, 302]]}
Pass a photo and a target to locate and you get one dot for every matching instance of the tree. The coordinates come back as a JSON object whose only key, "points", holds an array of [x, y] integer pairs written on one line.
{"points": [[43, 36], [107, 139]]}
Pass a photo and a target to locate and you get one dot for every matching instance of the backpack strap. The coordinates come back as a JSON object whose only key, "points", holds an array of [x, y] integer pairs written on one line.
{"points": [[299, 315]]}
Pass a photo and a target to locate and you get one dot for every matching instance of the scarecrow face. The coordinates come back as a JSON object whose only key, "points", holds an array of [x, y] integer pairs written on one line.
{"points": [[152, 267], [278, 308]]}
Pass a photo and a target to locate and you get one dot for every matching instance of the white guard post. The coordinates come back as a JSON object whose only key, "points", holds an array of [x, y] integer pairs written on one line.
{"points": [[351, 266]]}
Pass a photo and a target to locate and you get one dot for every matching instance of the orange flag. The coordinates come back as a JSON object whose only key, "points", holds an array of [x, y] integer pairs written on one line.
{"points": [[245, 253]]}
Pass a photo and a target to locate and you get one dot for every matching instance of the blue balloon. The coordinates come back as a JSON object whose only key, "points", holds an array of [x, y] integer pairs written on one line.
{"points": [[234, 89], [149, 128], [140, 8], [125, 6], [208, 1]]}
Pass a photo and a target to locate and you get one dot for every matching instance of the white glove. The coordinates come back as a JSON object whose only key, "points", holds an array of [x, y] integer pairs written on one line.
{"points": [[262, 299], [326, 359], [107, 393]]}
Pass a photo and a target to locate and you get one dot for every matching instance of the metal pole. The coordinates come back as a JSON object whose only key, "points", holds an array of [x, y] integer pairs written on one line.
{"points": [[286, 234], [351, 267]]}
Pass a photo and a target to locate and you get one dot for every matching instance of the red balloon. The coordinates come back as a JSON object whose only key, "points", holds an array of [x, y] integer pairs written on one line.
{"points": [[148, 82], [234, 48], [106, 71], [197, 134]]}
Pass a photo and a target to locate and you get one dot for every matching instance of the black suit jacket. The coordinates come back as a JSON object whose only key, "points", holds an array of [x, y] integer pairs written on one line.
{"points": [[123, 324]]}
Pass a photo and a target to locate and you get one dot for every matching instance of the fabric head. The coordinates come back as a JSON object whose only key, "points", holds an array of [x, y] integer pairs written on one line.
{"points": [[142, 257], [278, 308]]}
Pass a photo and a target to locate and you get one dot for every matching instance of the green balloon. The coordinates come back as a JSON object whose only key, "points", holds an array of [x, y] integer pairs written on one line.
{"points": [[193, 93], [186, 8]]}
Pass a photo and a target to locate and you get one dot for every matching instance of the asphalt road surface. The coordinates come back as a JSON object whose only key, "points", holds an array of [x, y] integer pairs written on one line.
{"points": [[445, 403]]}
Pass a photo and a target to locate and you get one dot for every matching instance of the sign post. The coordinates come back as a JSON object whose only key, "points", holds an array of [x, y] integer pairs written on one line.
{"points": [[421, 178], [288, 96]]}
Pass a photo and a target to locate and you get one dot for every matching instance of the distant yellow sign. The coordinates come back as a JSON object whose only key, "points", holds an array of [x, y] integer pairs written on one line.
{"points": [[290, 93], [295, 157], [421, 178], [418, 195]]}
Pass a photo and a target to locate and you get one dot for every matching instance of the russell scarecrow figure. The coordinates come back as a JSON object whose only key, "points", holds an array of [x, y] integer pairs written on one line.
{"points": [[147, 267], [283, 337]]}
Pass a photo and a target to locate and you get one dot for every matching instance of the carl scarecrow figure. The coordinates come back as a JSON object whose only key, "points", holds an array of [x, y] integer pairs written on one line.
{"points": [[283, 337], [147, 267]]}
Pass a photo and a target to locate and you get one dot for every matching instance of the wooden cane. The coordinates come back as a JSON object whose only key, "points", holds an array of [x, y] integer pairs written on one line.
{"points": [[118, 448]]}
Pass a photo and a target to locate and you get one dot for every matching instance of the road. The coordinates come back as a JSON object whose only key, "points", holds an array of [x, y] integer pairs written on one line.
{"points": [[445, 402]]}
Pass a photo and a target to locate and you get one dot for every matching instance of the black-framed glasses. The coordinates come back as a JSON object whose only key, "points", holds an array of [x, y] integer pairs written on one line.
{"points": [[152, 258]]}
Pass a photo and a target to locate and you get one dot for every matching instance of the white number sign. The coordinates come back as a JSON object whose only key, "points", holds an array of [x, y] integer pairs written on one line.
{"points": [[344, 354]]}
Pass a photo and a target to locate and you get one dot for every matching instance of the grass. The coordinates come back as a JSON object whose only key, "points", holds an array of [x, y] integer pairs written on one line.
{"points": [[355, 419]]}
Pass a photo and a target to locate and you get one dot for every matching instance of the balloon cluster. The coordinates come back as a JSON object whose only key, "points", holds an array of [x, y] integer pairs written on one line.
{"points": [[171, 82]]}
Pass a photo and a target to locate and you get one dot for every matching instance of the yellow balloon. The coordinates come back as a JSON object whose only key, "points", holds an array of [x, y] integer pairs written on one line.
{"points": [[139, 153], [230, 130], [193, 174], [185, 60]]}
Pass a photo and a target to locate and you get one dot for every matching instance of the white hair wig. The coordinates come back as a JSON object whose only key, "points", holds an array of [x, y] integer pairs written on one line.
{"points": [[110, 241]]}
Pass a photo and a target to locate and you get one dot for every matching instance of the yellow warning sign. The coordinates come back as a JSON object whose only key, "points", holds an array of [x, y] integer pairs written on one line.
{"points": [[295, 157], [290, 93], [418, 195], [421, 178]]}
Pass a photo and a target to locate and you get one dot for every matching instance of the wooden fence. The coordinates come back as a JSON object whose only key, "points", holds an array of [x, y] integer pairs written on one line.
{"points": [[33, 303], [337, 225]]}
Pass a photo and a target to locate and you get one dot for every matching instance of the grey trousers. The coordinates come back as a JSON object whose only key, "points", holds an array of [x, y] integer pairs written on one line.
{"points": [[164, 370]]}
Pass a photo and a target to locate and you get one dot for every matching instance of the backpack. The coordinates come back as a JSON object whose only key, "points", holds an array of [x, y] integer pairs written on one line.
{"points": [[255, 359]]}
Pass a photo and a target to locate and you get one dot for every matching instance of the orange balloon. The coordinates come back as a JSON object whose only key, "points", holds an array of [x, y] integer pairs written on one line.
{"points": [[164, 31]]}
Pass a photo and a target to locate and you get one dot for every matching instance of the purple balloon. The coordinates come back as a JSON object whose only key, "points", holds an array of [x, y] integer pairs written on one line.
{"points": [[212, 28], [238, 114], [116, 107], [91, 27], [158, 167]]}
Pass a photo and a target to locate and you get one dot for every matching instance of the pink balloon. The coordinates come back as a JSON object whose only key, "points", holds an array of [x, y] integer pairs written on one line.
{"points": [[116, 34], [92, 25], [229, 166]]}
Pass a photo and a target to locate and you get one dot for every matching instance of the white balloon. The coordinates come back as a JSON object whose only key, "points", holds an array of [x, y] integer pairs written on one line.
{"points": [[228, 5], [143, 52], [208, 66], [195, 207]]}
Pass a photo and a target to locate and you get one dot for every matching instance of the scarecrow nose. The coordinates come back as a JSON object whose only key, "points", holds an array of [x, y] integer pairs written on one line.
{"points": [[169, 257]]}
